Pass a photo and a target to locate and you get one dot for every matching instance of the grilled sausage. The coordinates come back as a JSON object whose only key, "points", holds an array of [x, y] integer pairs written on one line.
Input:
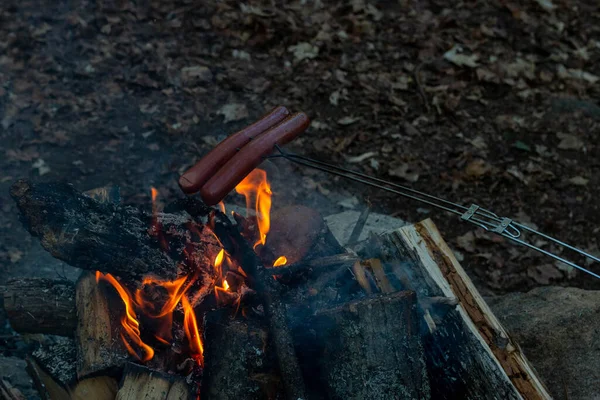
{"points": [[192, 180], [250, 156]]}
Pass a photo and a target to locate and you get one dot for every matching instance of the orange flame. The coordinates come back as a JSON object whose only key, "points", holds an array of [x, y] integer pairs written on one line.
{"points": [[218, 262], [175, 291], [129, 321], [190, 326], [280, 261], [255, 187]]}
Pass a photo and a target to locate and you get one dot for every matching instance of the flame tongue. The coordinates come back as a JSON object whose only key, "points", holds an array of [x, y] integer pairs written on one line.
{"points": [[129, 321], [255, 187]]}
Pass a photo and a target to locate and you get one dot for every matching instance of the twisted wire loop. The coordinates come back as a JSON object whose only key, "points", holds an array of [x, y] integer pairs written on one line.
{"points": [[473, 214]]}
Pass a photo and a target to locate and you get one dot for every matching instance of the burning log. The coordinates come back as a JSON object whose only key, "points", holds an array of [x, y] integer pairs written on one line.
{"points": [[269, 291], [469, 354], [140, 382], [369, 349], [99, 346], [94, 235], [35, 305], [238, 361]]}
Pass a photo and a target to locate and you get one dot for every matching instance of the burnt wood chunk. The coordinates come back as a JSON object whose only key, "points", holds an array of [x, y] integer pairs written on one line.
{"points": [[99, 347], [121, 240], [140, 382], [36, 305], [369, 349], [238, 360]]}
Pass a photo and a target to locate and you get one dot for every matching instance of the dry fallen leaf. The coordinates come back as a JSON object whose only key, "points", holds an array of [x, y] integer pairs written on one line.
{"points": [[405, 171], [348, 120], [477, 168], [459, 59], [579, 181], [569, 142], [303, 51], [196, 73], [41, 166], [547, 5], [233, 112], [467, 242], [577, 74], [361, 158]]}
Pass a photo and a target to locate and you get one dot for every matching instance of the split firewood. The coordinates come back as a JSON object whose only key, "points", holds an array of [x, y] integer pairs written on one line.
{"points": [[238, 362], [35, 305], [99, 346], [140, 382], [368, 349], [469, 354], [112, 238]]}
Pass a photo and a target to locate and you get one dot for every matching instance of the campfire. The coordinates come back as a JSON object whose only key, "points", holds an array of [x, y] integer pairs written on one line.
{"points": [[189, 301]]}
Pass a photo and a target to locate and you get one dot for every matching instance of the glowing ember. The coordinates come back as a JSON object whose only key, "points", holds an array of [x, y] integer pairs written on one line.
{"points": [[129, 321], [225, 285], [280, 261], [222, 207], [256, 188]]}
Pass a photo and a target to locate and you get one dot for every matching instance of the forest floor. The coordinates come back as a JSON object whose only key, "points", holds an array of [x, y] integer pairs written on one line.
{"points": [[486, 102]]}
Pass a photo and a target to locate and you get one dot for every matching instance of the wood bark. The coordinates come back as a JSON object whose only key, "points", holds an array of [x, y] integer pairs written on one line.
{"points": [[369, 349], [140, 382], [238, 361], [8, 392], [112, 238], [35, 305], [52, 368], [99, 347], [469, 354]]}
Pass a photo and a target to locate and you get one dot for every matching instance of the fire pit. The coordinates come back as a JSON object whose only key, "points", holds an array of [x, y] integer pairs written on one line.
{"points": [[192, 301]]}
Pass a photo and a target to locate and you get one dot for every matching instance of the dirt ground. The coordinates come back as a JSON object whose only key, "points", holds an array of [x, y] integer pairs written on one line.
{"points": [[487, 102]]}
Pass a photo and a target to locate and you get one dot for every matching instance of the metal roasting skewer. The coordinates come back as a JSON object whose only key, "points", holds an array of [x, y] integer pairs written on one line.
{"points": [[474, 214]]}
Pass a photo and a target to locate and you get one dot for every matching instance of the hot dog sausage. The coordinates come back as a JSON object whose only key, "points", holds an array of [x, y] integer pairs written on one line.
{"points": [[192, 180], [250, 156]]}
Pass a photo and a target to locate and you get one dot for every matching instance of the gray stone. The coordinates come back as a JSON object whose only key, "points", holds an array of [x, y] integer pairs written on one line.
{"points": [[341, 225], [559, 330]]}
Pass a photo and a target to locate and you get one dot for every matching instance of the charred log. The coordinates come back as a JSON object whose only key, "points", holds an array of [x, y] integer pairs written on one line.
{"points": [[238, 363], [368, 349], [268, 289], [140, 382], [99, 347], [120, 240], [35, 305]]}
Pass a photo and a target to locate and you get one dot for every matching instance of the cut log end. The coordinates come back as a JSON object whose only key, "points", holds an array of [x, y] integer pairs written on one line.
{"points": [[140, 382]]}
